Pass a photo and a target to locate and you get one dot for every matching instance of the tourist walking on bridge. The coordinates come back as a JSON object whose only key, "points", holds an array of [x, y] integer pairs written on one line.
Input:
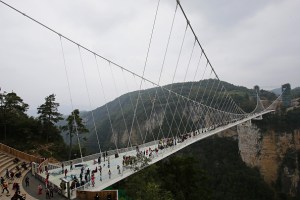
{"points": [[109, 174], [99, 160], [66, 171], [62, 167], [80, 176], [93, 179]]}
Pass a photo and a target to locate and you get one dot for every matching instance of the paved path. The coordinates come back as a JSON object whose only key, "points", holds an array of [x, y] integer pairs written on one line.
{"points": [[5, 196], [30, 192], [32, 189]]}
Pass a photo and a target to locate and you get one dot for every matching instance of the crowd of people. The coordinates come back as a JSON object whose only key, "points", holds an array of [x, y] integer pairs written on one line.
{"points": [[12, 176], [15, 187], [87, 177]]}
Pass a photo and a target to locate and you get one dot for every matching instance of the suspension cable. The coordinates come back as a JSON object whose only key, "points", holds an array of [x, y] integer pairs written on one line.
{"points": [[166, 50], [70, 96], [145, 64], [102, 57], [106, 106], [178, 101], [132, 105], [119, 96], [89, 98], [190, 92], [173, 78]]}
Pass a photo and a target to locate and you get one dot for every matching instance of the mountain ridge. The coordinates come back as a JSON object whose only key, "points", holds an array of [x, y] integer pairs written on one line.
{"points": [[121, 123]]}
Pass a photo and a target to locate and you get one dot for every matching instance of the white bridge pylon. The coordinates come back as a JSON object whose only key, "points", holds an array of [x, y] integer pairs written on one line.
{"points": [[119, 168]]}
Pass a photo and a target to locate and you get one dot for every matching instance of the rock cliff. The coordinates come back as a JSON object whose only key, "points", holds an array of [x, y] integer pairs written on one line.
{"points": [[268, 152]]}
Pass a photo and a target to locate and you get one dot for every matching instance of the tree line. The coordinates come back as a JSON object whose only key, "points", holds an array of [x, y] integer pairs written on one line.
{"points": [[24, 132]]}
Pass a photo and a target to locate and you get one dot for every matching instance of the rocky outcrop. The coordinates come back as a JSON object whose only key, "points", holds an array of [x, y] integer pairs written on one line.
{"points": [[266, 151], [250, 144]]}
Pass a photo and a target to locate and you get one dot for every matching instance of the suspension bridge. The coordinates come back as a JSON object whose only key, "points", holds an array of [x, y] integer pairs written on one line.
{"points": [[158, 119]]}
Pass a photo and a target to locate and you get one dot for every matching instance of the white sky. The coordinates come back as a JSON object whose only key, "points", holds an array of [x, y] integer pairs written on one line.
{"points": [[248, 43]]}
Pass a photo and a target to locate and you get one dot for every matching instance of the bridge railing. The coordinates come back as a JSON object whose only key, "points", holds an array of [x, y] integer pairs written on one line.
{"points": [[119, 170], [109, 153], [124, 150]]}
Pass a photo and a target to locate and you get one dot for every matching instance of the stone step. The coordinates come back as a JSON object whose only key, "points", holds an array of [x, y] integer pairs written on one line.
{"points": [[2, 155], [8, 166], [4, 162]]}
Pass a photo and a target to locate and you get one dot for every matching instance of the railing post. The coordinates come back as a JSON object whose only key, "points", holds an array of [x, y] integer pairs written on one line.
{"points": [[68, 190]]}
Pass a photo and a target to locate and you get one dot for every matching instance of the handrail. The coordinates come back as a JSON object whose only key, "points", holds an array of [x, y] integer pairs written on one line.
{"points": [[19, 154]]}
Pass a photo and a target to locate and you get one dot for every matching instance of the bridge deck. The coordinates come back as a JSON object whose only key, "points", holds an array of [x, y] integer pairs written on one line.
{"points": [[103, 180]]}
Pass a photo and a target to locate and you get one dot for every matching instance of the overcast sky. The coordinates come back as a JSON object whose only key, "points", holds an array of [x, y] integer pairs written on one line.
{"points": [[247, 42]]}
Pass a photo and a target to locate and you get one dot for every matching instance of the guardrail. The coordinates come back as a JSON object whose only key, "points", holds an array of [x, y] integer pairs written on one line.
{"points": [[19, 154], [109, 153]]}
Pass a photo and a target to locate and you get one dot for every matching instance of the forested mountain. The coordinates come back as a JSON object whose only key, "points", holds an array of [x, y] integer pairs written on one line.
{"points": [[214, 168], [38, 136], [251, 162], [121, 116]]}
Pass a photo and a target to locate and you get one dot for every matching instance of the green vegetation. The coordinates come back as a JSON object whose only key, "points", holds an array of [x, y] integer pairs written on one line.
{"points": [[287, 169], [49, 115], [281, 121], [154, 99], [209, 169], [74, 126], [296, 92], [34, 135]]}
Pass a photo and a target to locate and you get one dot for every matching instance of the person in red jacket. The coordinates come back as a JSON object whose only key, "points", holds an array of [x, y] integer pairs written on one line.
{"points": [[5, 187], [40, 189]]}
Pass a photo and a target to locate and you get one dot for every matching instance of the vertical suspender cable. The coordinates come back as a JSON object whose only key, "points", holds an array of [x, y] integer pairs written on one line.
{"points": [[122, 112], [90, 104], [70, 95], [178, 101], [173, 78], [165, 54], [145, 64], [132, 105], [106, 106]]}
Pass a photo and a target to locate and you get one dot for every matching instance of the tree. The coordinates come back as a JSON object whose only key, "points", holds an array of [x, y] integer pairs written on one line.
{"points": [[74, 126], [12, 109], [146, 185], [2, 110], [14, 104], [187, 178], [49, 114]]}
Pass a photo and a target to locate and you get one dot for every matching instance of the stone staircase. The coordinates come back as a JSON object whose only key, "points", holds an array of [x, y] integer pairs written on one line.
{"points": [[8, 162]]}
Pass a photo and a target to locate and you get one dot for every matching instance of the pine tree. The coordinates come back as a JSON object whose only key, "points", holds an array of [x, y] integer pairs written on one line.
{"points": [[12, 108], [49, 114], [74, 125]]}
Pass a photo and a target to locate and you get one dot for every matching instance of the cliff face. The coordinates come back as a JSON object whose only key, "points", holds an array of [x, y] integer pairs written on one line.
{"points": [[267, 151]]}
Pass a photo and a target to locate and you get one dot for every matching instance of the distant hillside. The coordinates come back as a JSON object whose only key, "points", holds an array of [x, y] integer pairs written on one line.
{"points": [[243, 96], [296, 92], [276, 91]]}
